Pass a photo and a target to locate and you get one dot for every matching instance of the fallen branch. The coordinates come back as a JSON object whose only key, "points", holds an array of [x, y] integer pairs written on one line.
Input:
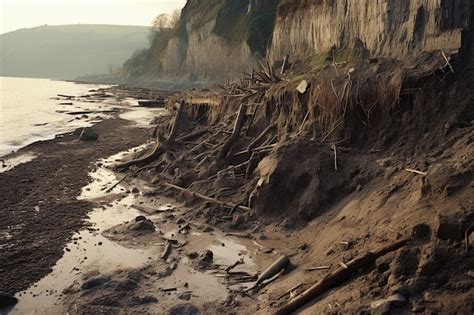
{"points": [[415, 171], [447, 62], [193, 135], [166, 251], [337, 278], [161, 146], [238, 262], [259, 149], [207, 198], [130, 176], [239, 122], [260, 137], [290, 291]]}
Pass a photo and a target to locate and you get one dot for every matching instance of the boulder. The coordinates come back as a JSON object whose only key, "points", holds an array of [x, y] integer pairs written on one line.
{"points": [[88, 134], [7, 300], [184, 296]]}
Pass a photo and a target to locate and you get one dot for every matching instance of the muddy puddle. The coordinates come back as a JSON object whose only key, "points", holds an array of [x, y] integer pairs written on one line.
{"points": [[107, 248]]}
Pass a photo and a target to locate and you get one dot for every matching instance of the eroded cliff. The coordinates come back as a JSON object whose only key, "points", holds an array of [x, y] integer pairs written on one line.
{"points": [[391, 28], [217, 40]]}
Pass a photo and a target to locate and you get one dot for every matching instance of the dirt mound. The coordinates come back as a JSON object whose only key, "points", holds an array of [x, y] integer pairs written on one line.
{"points": [[300, 179], [367, 153]]}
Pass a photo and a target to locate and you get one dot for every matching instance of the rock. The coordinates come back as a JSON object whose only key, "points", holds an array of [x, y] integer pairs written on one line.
{"points": [[450, 228], [383, 306], [192, 255], [304, 247], [88, 134], [417, 285], [7, 300], [184, 296], [144, 300], [206, 258], [406, 262], [238, 219], [145, 225], [95, 282], [400, 289], [301, 88], [421, 231], [140, 218], [184, 309], [418, 308], [386, 162]]}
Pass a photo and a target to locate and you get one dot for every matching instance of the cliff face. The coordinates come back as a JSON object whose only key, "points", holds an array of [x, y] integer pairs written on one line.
{"points": [[205, 55], [217, 40], [392, 28]]}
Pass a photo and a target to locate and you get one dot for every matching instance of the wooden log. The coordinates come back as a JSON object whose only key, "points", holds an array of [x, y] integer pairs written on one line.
{"points": [[260, 137], [194, 135], [337, 278], [207, 198], [259, 149], [239, 122], [161, 146]]}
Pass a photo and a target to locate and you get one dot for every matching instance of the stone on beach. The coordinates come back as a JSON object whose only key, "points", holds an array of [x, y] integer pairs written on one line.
{"points": [[88, 134], [7, 300]]}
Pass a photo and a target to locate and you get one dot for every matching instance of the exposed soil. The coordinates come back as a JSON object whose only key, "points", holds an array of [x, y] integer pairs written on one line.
{"points": [[323, 176], [343, 181], [40, 211]]}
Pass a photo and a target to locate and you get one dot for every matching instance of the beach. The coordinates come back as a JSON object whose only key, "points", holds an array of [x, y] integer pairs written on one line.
{"points": [[39, 199]]}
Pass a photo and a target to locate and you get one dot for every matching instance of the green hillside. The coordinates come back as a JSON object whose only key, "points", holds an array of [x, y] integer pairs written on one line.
{"points": [[68, 51]]}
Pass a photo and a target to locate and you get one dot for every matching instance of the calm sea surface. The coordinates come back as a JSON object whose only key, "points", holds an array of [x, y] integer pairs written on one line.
{"points": [[28, 113]]}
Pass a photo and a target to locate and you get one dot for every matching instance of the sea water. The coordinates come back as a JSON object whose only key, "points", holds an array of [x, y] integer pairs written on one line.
{"points": [[29, 112]]}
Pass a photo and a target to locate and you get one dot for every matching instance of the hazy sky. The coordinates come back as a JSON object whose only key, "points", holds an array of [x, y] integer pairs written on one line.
{"points": [[17, 14]]}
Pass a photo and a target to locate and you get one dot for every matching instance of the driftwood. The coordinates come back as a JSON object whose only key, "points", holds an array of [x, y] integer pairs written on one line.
{"points": [[130, 175], [87, 112], [238, 262], [278, 265], [207, 198], [263, 148], [239, 122], [337, 277], [257, 140], [161, 146], [166, 251], [415, 171]]}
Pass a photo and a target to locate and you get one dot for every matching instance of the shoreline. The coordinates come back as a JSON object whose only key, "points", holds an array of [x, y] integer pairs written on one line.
{"points": [[41, 195]]}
